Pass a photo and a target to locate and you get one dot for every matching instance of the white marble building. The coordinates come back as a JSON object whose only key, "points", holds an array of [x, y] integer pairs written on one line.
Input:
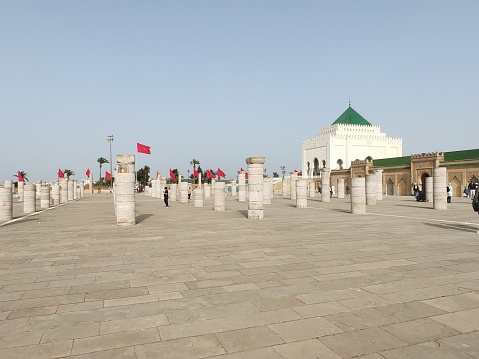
{"points": [[349, 138]]}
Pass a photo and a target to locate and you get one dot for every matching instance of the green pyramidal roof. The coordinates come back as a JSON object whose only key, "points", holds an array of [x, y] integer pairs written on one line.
{"points": [[351, 117]]}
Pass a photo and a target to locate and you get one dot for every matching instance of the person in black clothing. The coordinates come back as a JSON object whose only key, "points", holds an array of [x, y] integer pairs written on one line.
{"points": [[165, 196]]}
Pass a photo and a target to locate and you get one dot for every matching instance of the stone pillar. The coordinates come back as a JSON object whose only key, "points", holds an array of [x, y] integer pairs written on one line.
{"points": [[207, 193], [183, 192], [219, 197], [173, 193], [29, 199], [439, 188], [90, 187], [341, 188], [358, 195], [325, 188], [75, 189], [6, 203], [198, 199], [292, 185], [312, 190], [56, 194], [213, 181], [255, 187], [199, 180], [125, 190], [20, 191], [379, 185], [302, 193], [233, 188], [430, 189], [284, 187], [45, 197], [64, 187], [153, 188], [82, 189], [267, 183], [71, 190], [241, 186], [38, 189], [371, 190]]}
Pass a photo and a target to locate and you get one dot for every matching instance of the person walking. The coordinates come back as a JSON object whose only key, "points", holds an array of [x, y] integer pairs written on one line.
{"points": [[165, 196], [449, 193], [189, 194]]}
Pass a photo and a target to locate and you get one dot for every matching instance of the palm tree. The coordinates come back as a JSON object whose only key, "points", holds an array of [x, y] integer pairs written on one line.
{"points": [[68, 173], [102, 161], [23, 174], [142, 176], [193, 163]]}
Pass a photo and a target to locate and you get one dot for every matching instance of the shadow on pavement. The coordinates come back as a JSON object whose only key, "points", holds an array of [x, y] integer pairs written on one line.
{"points": [[142, 217], [457, 227]]}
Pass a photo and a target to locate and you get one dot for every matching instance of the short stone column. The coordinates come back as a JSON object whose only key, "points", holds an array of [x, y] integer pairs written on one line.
{"points": [[379, 185], [184, 192], [82, 189], [325, 187], [64, 187], [20, 191], [29, 199], [255, 187], [430, 189], [90, 187], [284, 187], [45, 197], [207, 193], [173, 193], [267, 183], [56, 194], [241, 186], [219, 197], [198, 199], [340, 189], [38, 189], [233, 188], [312, 189], [75, 190], [6, 203], [292, 185], [358, 195], [439, 188], [71, 190], [153, 188], [301, 193], [125, 190], [371, 190]]}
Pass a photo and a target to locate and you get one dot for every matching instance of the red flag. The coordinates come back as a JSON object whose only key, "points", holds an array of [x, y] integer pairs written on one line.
{"points": [[107, 175], [87, 172], [221, 173], [172, 175], [143, 148], [60, 174], [195, 172], [20, 177], [209, 174], [300, 173], [246, 175], [241, 169]]}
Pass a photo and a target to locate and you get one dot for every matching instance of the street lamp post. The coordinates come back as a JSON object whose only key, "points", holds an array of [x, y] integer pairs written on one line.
{"points": [[110, 140]]}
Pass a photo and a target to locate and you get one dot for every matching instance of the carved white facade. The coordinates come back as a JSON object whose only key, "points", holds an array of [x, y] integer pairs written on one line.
{"points": [[341, 143]]}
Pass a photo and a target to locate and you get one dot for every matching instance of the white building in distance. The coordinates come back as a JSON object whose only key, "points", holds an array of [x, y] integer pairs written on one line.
{"points": [[349, 138]]}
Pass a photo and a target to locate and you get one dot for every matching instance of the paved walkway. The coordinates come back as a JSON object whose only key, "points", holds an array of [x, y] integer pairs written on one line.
{"points": [[186, 282]]}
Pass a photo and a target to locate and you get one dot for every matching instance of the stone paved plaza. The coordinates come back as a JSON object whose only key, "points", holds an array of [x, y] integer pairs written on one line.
{"points": [[186, 282]]}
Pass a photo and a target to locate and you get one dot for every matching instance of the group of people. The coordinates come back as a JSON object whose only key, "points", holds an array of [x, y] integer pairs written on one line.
{"points": [[470, 190], [420, 196], [165, 195]]}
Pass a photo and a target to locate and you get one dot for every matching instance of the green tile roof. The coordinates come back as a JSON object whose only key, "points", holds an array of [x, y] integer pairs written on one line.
{"points": [[351, 117], [461, 155], [393, 161]]}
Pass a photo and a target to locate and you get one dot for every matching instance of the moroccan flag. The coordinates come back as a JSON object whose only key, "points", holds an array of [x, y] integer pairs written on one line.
{"points": [[60, 174], [241, 169], [143, 148], [107, 175], [246, 175], [195, 172], [172, 175], [221, 173], [20, 177], [87, 172]]}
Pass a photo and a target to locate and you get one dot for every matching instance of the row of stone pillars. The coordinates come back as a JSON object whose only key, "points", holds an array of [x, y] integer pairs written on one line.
{"points": [[29, 193]]}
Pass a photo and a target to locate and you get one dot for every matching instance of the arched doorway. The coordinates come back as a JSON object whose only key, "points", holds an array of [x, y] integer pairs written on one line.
{"points": [[309, 169], [402, 187], [340, 164], [390, 187], [423, 182], [456, 187], [324, 164]]}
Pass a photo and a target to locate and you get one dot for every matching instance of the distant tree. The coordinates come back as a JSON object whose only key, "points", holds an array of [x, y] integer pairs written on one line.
{"points": [[194, 162], [275, 175], [102, 161], [207, 179], [23, 174], [142, 176], [68, 173]]}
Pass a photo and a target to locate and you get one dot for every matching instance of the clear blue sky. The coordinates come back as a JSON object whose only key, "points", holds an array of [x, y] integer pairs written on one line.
{"points": [[222, 80]]}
